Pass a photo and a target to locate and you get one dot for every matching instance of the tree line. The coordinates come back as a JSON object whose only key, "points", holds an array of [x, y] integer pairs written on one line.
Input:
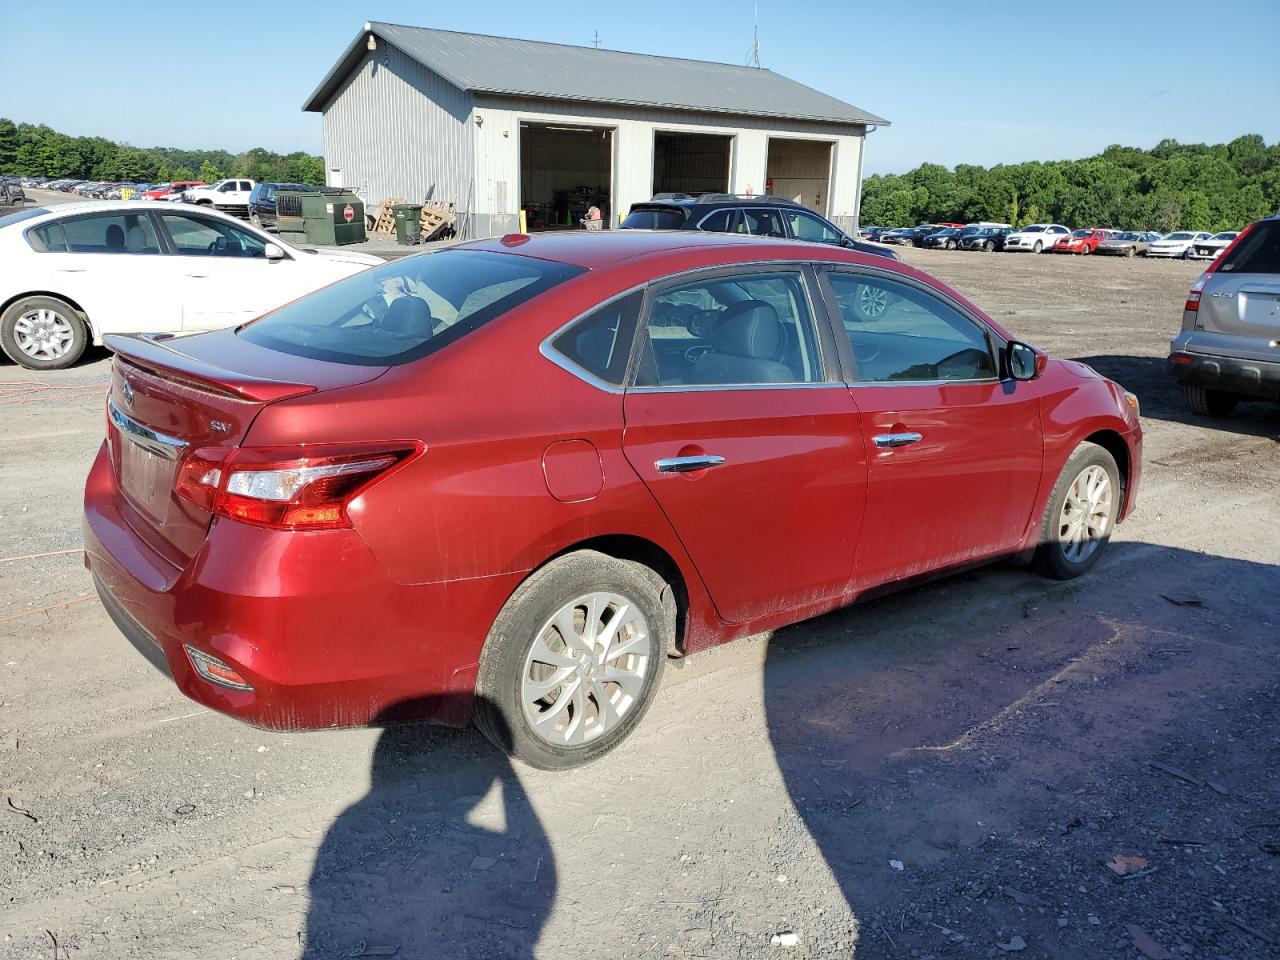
{"points": [[1187, 186], [36, 150]]}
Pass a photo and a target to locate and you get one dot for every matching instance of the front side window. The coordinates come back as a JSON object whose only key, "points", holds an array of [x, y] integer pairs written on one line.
{"points": [[805, 226], [899, 332], [600, 342], [195, 236], [751, 328], [762, 223], [406, 309], [99, 233]]}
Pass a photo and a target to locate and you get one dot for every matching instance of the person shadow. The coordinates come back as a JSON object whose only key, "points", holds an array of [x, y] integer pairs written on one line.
{"points": [[931, 741], [444, 857]]}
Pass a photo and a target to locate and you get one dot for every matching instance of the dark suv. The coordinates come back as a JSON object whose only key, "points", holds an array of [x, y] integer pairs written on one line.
{"points": [[762, 216], [262, 201]]}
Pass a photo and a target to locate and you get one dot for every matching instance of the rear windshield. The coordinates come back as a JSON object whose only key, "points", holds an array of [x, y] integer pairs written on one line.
{"points": [[654, 219], [1258, 252], [405, 309], [21, 215]]}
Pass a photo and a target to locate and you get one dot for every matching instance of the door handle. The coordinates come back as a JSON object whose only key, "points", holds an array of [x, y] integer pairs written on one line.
{"points": [[896, 439], [688, 464], [198, 276]]}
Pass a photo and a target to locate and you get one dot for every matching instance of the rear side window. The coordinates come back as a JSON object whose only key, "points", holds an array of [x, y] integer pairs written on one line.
{"points": [[719, 222], [406, 309], [654, 219], [762, 223], [101, 233], [1259, 252], [600, 343]]}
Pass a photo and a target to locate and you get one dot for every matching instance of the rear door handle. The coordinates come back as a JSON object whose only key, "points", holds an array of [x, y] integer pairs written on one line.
{"points": [[896, 439], [688, 464]]}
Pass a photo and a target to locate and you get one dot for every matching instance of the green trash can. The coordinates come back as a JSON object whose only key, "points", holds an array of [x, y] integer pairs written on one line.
{"points": [[408, 222]]}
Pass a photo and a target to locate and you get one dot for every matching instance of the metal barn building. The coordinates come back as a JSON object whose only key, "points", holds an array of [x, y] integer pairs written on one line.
{"points": [[498, 126]]}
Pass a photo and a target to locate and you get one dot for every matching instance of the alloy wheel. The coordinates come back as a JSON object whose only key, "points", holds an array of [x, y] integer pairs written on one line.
{"points": [[872, 301], [1085, 520], [44, 334], [586, 669]]}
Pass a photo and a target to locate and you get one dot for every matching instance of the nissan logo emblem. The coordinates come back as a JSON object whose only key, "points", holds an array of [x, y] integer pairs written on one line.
{"points": [[126, 392]]}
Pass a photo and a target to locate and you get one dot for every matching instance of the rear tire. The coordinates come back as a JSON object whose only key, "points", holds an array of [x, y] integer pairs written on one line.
{"points": [[553, 690], [1080, 514], [43, 333], [1210, 403]]}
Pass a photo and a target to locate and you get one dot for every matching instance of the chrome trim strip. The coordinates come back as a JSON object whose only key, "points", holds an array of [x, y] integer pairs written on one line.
{"points": [[724, 387], [150, 440], [896, 439], [688, 464]]}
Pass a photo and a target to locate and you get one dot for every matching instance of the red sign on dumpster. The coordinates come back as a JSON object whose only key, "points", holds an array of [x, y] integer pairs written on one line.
{"points": [[349, 213]]}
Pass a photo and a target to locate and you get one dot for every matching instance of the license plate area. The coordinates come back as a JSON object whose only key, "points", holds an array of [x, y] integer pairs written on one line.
{"points": [[146, 478]]}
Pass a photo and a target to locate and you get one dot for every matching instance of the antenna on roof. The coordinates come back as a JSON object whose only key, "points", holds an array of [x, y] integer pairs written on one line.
{"points": [[596, 42], [753, 55]]}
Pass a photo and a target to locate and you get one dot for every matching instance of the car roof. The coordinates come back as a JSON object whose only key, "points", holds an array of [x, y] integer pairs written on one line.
{"points": [[122, 206], [595, 250]]}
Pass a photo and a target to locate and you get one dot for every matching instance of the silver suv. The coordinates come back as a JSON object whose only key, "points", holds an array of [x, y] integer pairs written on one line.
{"points": [[1229, 346]]}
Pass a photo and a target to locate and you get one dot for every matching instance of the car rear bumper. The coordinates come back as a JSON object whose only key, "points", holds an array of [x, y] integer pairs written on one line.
{"points": [[1249, 378], [311, 621]]}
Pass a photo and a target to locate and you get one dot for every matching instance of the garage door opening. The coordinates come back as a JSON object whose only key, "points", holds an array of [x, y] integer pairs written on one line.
{"points": [[564, 171], [800, 170], [691, 163]]}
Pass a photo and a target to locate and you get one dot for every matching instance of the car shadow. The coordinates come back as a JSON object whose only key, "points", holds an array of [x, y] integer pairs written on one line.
{"points": [[444, 857], [939, 753], [1162, 399]]}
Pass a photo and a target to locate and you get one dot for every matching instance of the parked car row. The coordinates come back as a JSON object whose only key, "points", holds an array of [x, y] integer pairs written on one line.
{"points": [[1055, 238]]}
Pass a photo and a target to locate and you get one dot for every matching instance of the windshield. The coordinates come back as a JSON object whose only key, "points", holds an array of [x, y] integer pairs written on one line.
{"points": [[1082, 233], [406, 309], [1226, 236], [1181, 236], [1034, 228]]}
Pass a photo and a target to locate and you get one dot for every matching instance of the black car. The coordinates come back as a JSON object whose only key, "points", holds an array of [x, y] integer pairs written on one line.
{"points": [[872, 233], [262, 201], [764, 216], [944, 239], [986, 239]]}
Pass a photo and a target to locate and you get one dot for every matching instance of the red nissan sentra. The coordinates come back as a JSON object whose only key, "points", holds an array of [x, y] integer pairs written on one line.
{"points": [[514, 477]]}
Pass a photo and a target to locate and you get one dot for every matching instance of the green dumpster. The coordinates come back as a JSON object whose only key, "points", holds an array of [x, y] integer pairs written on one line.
{"points": [[408, 222], [333, 217]]}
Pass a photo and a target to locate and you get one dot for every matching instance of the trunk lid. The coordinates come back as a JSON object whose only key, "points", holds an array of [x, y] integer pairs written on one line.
{"points": [[171, 397]]}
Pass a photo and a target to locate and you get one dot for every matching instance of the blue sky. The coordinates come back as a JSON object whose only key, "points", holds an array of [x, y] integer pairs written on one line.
{"points": [[1098, 73]]}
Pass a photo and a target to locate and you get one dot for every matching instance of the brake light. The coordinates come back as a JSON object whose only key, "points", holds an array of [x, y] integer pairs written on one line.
{"points": [[287, 488]]}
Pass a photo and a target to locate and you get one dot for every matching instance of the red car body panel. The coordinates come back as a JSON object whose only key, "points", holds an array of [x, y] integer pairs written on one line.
{"points": [[523, 461], [1082, 244]]}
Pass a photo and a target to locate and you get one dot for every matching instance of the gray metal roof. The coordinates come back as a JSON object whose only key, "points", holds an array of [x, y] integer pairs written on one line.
{"points": [[554, 71]]}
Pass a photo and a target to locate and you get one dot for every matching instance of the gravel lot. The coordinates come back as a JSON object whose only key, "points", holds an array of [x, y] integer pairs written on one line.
{"points": [[942, 773]]}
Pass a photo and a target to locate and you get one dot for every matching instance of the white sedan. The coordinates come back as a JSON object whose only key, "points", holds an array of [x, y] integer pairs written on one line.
{"points": [[1212, 248], [72, 273], [1035, 237], [1176, 244]]}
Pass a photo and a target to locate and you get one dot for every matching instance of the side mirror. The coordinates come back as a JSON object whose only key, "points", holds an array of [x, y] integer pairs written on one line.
{"points": [[273, 252], [1024, 362], [846, 240]]}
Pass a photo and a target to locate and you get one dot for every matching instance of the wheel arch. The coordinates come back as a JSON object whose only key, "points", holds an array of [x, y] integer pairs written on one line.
{"points": [[84, 316], [648, 554], [1114, 444]]}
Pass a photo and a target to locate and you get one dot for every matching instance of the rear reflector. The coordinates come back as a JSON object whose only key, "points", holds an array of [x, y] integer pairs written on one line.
{"points": [[1182, 359], [214, 670], [287, 488]]}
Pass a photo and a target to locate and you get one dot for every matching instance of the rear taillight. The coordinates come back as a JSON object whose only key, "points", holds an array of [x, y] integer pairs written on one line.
{"points": [[287, 488]]}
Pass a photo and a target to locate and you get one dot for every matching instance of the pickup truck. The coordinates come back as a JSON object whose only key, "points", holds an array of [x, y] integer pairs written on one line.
{"points": [[231, 196]]}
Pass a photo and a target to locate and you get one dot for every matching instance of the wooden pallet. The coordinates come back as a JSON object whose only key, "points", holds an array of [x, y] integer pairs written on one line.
{"points": [[436, 216], [385, 222]]}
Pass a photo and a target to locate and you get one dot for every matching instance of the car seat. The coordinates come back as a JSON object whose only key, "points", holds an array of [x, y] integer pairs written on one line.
{"points": [[747, 346]]}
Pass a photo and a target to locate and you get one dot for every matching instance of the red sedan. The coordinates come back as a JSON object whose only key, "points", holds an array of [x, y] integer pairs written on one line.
{"points": [[1082, 241], [519, 475]]}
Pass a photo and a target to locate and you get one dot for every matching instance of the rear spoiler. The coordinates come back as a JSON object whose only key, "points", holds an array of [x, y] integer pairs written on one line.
{"points": [[146, 350]]}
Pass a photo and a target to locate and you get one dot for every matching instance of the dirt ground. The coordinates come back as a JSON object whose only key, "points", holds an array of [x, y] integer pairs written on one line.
{"points": [[941, 773]]}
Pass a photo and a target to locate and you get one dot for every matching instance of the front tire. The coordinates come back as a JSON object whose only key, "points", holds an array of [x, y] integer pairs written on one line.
{"points": [[988, 247], [43, 333], [1038, 248], [1210, 403], [255, 220], [1080, 515], [573, 660]]}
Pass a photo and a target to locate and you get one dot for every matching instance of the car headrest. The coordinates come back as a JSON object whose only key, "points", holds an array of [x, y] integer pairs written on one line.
{"points": [[115, 237], [749, 329], [409, 316], [135, 239]]}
